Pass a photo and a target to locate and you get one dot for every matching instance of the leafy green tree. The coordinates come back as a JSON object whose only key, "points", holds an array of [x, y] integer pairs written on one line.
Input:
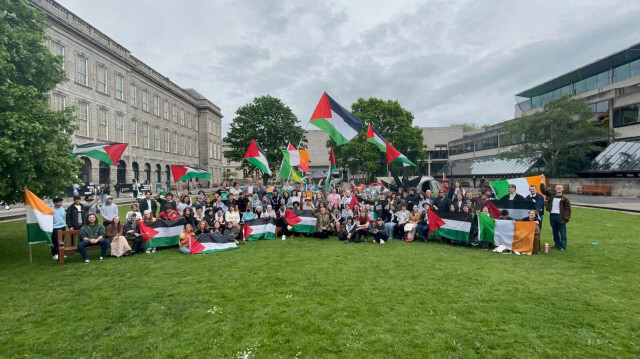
{"points": [[34, 145], [392, 122], [271, 123], [564, 132]]}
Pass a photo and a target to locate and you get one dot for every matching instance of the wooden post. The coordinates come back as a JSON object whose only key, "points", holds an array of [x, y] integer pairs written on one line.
{"points": [[30, 254]]}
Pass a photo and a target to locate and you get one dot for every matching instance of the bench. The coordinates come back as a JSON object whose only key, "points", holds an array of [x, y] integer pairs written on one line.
{"points": [[604, 190], [552, 187], [68, 244]]}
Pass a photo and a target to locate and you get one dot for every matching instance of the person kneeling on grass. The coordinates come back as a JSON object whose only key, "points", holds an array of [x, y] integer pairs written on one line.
{"points": [[185, 236], [92, 234], [348, 231], [379, 231], [119, 245]]}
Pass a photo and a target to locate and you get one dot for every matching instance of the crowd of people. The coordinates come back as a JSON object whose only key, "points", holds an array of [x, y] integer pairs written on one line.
{"points": [[353, 215]]}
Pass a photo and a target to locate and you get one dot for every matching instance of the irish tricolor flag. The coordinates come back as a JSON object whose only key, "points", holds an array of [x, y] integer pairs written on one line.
{"points": [[298, 158], [260, 228], [394, 155], [501, 188], [185, 173], [210, 243], [39, 219], [514, 235], [518, 208], [335, 120], [107, 152], [332, 167], [452, 225], [301, 221], [375, 138], [161, 233], [255, 156]]}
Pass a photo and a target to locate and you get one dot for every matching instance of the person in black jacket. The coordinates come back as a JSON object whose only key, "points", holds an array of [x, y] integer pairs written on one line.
{"points": [[132, 233], [441, 203], [75, 214], [412, 198], [189, 218], [148, 203], [167, 200]]}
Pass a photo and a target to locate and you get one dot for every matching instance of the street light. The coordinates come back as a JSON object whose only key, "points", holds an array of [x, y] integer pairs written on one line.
{"points": [[538, 156]]}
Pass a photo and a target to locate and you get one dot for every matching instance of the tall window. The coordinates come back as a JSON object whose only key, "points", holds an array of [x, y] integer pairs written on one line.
{"points": [[102, 124], [174, 114], [58, 50], [209, 125], [119, 87], [210, 145], [183, 145], [101, 75], [165, 112], [166, 141], [133, 130], [82, 70], [194, 122], [133, 95], [156, 138], [82, 118], [145, 101], [156, 105], [189, 153], [145, 135], [119, 118], [57, 102], [175, 142], [182, 117]]}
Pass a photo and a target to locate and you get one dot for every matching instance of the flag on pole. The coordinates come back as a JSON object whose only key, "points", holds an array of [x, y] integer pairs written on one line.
{"points": [[107, 152], [39, 219], [394, 155], [256, 157], [209, 243], [162, 232], [375, 138], [185, 173], [444, 177], [501, 188], [332, 167], [260, 228], [514, 235], [452, 225], [341, 125], [301, 221], [298, 158], [288, 172]]}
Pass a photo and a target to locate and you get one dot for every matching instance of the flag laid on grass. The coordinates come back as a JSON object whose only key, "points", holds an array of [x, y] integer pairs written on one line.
{"points": [[452, 225], [107, 152], [185, 173], [301, 221], [260, 228], [501, 188], [514, 235], [375, 138], [394, 155], [39, 218], [210, 243], [332, 167], [255, 156], [518, 208], [161, 233], [340, 124]]}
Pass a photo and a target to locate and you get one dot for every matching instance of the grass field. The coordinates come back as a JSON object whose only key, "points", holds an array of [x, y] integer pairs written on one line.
{"points": [[309, 298]]}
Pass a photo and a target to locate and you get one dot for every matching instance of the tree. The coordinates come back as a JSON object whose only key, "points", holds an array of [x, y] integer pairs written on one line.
{"points": [[34, 145], [468, 127], [564, 132], [271, 123], [392, 122]]}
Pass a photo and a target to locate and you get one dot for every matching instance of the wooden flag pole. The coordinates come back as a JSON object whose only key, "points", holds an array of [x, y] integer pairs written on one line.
{"points": [[30, 254]]}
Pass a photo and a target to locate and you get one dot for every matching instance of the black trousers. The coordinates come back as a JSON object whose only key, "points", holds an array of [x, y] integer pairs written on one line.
{"points": [[380, 236], [359, 233], [54, 240]]}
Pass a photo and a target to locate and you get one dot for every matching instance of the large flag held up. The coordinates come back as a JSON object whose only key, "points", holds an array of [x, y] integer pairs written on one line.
{"points": [[210, 243], [185, 173], [452, 225], [518, 208], [298, 158], [107, 152], [301, 221], [255, 155], [161, 233], [375, 138], [516, 236], [394, 155], [501, 188], [260, 228], [332, 167], [39, 219], [341, 125]]}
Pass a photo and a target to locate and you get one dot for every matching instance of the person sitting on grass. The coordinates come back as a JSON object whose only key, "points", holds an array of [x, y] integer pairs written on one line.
{"points": [[203, 227], [209, 217], [348, 231], [132, 233], [362, 226], [412, 223], [185, 237], [119, 245], [199, 216], [336, 217], [92, 234], [147, 217], [423, 225], [248, 215], [232, 231], [258, 212], [169, 213], [188, 216], [323, 223], [403, 218], [379, 231]]}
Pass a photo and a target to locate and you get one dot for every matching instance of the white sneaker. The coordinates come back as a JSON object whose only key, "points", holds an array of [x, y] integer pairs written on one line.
{"points": [[148, 250], [284, 237], [55, 257], [101, 259], [86, 261], [153, 250]]}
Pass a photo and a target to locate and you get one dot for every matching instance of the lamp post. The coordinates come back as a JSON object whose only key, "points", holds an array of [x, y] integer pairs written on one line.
{"points": [[538, 156]]}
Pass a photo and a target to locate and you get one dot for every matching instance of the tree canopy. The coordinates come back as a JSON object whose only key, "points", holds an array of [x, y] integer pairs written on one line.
{"points": [[564, 132], [34, 145], [271, 123], [392, 122]]}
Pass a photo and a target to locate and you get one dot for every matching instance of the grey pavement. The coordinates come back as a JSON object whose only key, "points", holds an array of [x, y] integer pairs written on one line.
{"points": [[610, 202]]}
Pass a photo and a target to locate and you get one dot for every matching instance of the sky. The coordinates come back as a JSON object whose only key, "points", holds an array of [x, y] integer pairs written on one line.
{"points": [[446, 61]]}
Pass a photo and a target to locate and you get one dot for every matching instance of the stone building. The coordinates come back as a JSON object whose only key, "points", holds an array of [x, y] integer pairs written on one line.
{"points": [[119, 98]]}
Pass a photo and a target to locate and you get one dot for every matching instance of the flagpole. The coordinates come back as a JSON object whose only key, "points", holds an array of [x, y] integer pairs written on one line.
{"points": [[30, 254]]}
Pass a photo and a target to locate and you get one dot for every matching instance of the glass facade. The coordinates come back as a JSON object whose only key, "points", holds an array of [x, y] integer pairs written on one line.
{"points": [[626, 115]]}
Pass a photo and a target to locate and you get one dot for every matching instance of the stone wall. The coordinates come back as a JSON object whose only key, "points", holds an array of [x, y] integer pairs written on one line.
{"points": [[622, 187]]}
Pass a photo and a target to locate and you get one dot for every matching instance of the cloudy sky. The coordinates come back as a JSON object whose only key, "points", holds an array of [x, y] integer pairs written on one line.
{"points": [[445, 61]]}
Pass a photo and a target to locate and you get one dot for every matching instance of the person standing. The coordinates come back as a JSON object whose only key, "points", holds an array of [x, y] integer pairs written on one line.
{"points": [[108, 211], [75, 214], [91, 207], [59, 224], [91, 234], [559, 208], [537, 200], [148, 203], [134, 188]]}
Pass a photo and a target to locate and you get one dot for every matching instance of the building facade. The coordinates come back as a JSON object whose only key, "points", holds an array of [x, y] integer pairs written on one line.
{"points": [[121, 99], [436, 146]]}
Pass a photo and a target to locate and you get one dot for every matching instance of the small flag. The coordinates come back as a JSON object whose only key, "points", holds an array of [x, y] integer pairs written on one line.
{"points": [[107, 152], [260, 228], [341, 125], [185, 173], [452, 225], [211, 243], [444, 177], [375, 138], [256, 157], [300, 157], [288, 172], [394, 155], [332, 167], [501, 188], [515, 235], [162, 232], [39, 219], [301, 221]]}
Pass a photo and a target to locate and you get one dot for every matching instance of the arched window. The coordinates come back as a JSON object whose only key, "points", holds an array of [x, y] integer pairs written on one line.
{"points": [[121, 172], [167, 169], [103, 173], [147, 173], [158, 173], [85, 171], [136, 171]]}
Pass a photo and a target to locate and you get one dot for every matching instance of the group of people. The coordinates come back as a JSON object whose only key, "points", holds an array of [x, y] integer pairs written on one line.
{"points": [[351, 215]]}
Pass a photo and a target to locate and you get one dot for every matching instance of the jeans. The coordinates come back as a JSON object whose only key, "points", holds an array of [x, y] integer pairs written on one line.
{"points": [[559, 231], [184, 250], [390, 227], [103, 243], [423, 231]]}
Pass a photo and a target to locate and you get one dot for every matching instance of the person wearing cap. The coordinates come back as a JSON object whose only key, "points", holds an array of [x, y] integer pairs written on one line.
{"points": [[91, 205], [308, 205], [108, 211], [59, 224]]}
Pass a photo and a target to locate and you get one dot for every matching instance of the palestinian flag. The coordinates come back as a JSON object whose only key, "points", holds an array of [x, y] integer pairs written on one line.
{"points": [[518, 208], [332, 167], [39, 219], [210, 243], [376, 139], [452, 225], [256, 157], [107, 152], [185, 173], [301, 221], [516, 236], [288, 172], [394, 155], [493, 210], [353, 202], [161, 233], [298, 158], [335, 120], [260, 228], [501, 188]]}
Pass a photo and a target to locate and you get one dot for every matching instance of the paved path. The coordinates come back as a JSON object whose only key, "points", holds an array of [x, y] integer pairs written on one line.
{"points": [[614, 203]]}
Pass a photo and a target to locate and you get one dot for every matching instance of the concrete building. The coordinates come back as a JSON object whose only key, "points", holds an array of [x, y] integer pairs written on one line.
{"points": [[436, 146], [119, 98], [231, 168]]}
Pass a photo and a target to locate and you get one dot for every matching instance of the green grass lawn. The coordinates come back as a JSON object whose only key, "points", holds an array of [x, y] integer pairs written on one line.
{"points": [[309, 298]]}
